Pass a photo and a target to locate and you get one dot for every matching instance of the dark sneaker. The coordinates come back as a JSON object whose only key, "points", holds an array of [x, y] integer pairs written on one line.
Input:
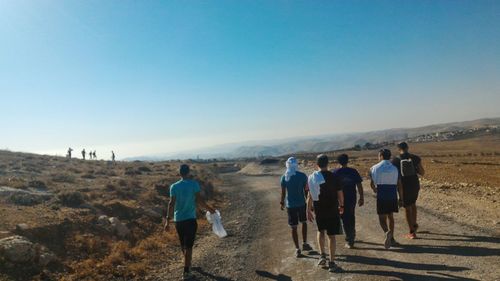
{"points": [[322, 260], [306, 247], [394, 243], [298, 253], [187, 276], [334, 268]]}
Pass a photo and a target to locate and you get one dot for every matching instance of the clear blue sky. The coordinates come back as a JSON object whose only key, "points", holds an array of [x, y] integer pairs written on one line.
{"points": [[145, 77]]}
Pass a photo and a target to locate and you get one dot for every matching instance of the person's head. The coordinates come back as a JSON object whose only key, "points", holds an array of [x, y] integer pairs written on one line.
{"points": [[322, 161], [343, 159], [384, 154], [184, 171], [292, 163], [403, 147]]}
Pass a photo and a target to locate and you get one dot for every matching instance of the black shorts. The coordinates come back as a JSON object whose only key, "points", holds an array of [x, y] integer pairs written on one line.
{"points": [[410, 196], [187, 233], [296, 215], [386, 207], [332, 225]]}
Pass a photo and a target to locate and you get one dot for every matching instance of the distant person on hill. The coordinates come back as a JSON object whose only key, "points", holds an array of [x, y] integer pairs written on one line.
{"points": [[326, 201], [83, 154], [350, 179], [94, 155], [410, 167], [386, 184], [113, 156], [184, 198], [293, 197], [69, 152]]}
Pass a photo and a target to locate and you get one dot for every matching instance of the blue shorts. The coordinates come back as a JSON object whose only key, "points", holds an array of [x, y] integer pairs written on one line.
{"points": [[296, 215]]}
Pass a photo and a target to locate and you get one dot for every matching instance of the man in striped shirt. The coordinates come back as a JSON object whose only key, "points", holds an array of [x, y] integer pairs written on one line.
{"points": [[386, 184]]}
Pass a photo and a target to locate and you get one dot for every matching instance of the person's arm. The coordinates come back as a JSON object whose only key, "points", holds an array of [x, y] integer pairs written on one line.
{"points": [[372, 183], [282, 201], [170, 209], [400, 191], [203, 204], [420, 169], [310, 208], [361, 201], [340, 196]]}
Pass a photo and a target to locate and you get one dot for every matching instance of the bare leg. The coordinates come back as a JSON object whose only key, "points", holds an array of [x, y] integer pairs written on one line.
{"points": [[332, 245], [391, 223], [304, 232], [383, 222], [414, 213], [188, 255], [321, 241], [409, 218], [295, 237]]}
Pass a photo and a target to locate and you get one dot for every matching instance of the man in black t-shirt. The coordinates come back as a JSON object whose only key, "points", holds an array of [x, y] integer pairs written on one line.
{"points": [[326, 201], [410, 168]]}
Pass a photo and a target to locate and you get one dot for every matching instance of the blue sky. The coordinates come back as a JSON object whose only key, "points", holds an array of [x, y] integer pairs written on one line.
{"points": [[145, 77]]}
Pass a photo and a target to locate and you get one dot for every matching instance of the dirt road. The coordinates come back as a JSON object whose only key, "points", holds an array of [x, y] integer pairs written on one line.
{"points": [[260, 248]]}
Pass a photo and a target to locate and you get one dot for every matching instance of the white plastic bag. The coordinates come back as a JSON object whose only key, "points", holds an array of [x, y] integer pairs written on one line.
{"points": [[216, 222]]}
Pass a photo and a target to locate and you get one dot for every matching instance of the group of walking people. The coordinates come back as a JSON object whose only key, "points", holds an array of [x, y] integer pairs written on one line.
{"points": [[91, 154], [327, 197], [330, 198]]}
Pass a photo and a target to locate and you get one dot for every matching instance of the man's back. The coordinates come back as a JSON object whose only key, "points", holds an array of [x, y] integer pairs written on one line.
{"points": [[328, 199], [295, 195], [184, 192], [411, 181], [348, 177], [385, 176]]}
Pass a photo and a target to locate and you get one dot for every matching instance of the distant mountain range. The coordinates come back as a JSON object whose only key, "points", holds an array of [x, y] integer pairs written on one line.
{"points": [[318, 143]]}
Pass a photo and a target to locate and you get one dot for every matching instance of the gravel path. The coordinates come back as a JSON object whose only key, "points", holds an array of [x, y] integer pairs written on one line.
{"points": [[260, 248]]}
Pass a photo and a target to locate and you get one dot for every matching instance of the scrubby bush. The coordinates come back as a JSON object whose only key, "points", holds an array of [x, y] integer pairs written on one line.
{"points": [[144, 169], [66, 178], [71, 198]]}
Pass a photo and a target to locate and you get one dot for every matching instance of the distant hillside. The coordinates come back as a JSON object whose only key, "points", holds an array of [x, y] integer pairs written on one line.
{"points": [[328, 142]]}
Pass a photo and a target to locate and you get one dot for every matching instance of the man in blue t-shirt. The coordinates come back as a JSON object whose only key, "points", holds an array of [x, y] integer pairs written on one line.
{"points": [[293, 197], [184, 197], [350, 180]]}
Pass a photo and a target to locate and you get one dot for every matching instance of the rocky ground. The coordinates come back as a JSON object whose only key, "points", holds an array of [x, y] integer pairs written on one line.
{"points": [[84, 220]]}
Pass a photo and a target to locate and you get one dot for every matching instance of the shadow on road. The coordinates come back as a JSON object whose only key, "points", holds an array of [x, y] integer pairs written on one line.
{"points": [[465, 251], [459, 238], [409, 276], [209, 276], [402, 264], [268, 275]]}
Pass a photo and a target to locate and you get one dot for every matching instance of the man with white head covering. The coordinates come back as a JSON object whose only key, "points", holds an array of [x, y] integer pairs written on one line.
{"points": [[293, 197]]}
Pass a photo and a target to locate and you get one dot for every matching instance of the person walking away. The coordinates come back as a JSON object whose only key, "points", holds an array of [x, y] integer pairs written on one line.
{"points": [[69, 152], [386, 184], [350, 179], [184, 199], [94, 155], [293, 197], [410, 168], [326, 202], [113, 156], [83, 154]]}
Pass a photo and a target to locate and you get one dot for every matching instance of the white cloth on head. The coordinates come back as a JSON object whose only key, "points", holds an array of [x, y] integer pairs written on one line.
{"points": [[314, 181], [291, 168]]}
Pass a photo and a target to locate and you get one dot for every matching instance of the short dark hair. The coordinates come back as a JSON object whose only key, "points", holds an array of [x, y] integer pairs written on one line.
{"points": [[184, 170], [403, 146], [343, 159], [322, 161], [385, 153]]}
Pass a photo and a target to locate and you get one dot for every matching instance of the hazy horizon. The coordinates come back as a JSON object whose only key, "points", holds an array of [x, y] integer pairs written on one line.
{"points": [[144, 78]]}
